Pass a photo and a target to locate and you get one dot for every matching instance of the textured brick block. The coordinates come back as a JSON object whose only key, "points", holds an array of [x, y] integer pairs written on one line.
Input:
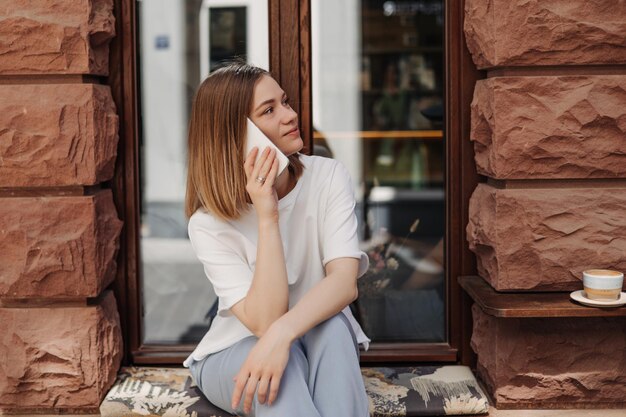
{"points": [[59, 358], [548, 362], [542, 239], [550, 127], [55, 36], [57, 134], [56, 247], [545, 32]]}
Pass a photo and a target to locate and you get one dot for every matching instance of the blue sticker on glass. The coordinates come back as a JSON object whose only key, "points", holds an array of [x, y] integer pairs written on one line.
{"points": [[162, 42]]}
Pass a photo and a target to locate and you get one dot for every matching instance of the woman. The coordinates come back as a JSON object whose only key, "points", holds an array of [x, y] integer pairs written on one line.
{"points": [[282, 254]]}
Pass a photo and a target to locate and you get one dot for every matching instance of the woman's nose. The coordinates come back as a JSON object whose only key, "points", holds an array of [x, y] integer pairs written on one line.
{"points": [[289, 115]]}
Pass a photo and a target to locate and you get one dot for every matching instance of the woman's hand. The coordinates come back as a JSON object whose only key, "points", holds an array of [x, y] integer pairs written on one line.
{"points": [[263, 194], [264, 366]]}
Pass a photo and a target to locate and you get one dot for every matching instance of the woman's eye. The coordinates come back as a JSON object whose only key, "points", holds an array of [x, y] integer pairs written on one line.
{"points": [[286, 101], [268, 111]]}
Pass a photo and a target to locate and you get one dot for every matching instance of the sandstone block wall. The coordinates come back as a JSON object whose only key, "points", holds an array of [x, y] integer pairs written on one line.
{"points": [[549, 362], [61, 343], [57, 247], [61, 358], [503, 33], [66, 129], [549, 131], [571, 126], [56, 36], [542, 239], [545, 126]]}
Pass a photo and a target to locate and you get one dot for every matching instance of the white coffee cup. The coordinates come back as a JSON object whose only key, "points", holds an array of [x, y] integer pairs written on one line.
{"points": [[602, 284]]}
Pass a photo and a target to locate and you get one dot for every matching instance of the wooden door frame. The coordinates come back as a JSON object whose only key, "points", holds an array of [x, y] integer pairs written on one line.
{"points": [[461, 176], [290, 64]]}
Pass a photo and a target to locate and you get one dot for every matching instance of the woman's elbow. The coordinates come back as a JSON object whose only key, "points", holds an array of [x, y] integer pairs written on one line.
{"points": [[356, 292], [259, 332], [261, 326], [261, 329]]}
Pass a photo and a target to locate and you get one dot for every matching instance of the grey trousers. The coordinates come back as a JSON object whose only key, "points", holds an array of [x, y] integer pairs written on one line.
{"points": [[322, 377]]}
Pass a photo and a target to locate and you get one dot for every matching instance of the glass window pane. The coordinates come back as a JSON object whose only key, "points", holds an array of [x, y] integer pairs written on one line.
{"points": [[378, 107], [180, 42], [227, 34]]}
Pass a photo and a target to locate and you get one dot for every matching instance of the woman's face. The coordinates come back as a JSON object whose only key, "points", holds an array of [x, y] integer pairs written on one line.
{"points": [[272, 114]]}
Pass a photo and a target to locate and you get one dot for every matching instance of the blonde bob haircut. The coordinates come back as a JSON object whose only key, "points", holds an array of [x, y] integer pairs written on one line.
{"points": [[216, 180]]}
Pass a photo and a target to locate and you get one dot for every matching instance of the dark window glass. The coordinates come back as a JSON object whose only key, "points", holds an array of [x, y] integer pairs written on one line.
{"points": [[378, 107]]}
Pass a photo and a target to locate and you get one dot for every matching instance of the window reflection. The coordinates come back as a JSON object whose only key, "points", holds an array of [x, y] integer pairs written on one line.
{"points": [[181, 41], [377, 107]]}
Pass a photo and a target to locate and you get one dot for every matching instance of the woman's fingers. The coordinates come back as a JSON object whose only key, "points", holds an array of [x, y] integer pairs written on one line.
{"points": [[267, 164], [266, 167], [250, 390], [240, 383], [258, 165], [271, 176], [248, 164], [262, 390], [274, 388], [246, 386]]}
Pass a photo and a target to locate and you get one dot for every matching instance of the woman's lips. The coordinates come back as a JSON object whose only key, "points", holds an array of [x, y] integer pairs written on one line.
{"points": [[295, 132]]}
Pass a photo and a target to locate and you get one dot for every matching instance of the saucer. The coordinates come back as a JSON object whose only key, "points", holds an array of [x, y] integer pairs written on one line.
{"points": [[578, 296]]}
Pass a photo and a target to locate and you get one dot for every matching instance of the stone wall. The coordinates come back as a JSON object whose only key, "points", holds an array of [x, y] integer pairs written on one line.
{"points": [[548, 124], [61, 341], [517, 33], [535, 127], [551, 362], [542, 239]]}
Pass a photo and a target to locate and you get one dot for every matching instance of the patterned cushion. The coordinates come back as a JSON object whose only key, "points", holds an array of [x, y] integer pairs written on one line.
{"points": [[423, 391], [146, 391], [409, 391]]}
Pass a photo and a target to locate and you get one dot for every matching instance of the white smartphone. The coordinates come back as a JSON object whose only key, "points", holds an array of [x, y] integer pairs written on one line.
{"points": [[257, 138]]}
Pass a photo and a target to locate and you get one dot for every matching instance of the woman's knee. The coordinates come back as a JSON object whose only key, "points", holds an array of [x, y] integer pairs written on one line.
{"points": [[215, 372], [335, 333], [297, 364], [336, 325]]}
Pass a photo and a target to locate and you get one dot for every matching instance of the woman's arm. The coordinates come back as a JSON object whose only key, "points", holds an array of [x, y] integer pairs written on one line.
{"points": [[268, 296], [327, 298], [266, 362]]}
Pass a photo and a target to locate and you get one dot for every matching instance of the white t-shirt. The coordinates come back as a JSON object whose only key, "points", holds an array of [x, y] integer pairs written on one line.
{"points": [[317, 224]]}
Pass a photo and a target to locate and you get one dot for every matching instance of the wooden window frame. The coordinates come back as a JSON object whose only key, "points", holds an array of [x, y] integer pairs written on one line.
{"points": [[290, 64]]}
